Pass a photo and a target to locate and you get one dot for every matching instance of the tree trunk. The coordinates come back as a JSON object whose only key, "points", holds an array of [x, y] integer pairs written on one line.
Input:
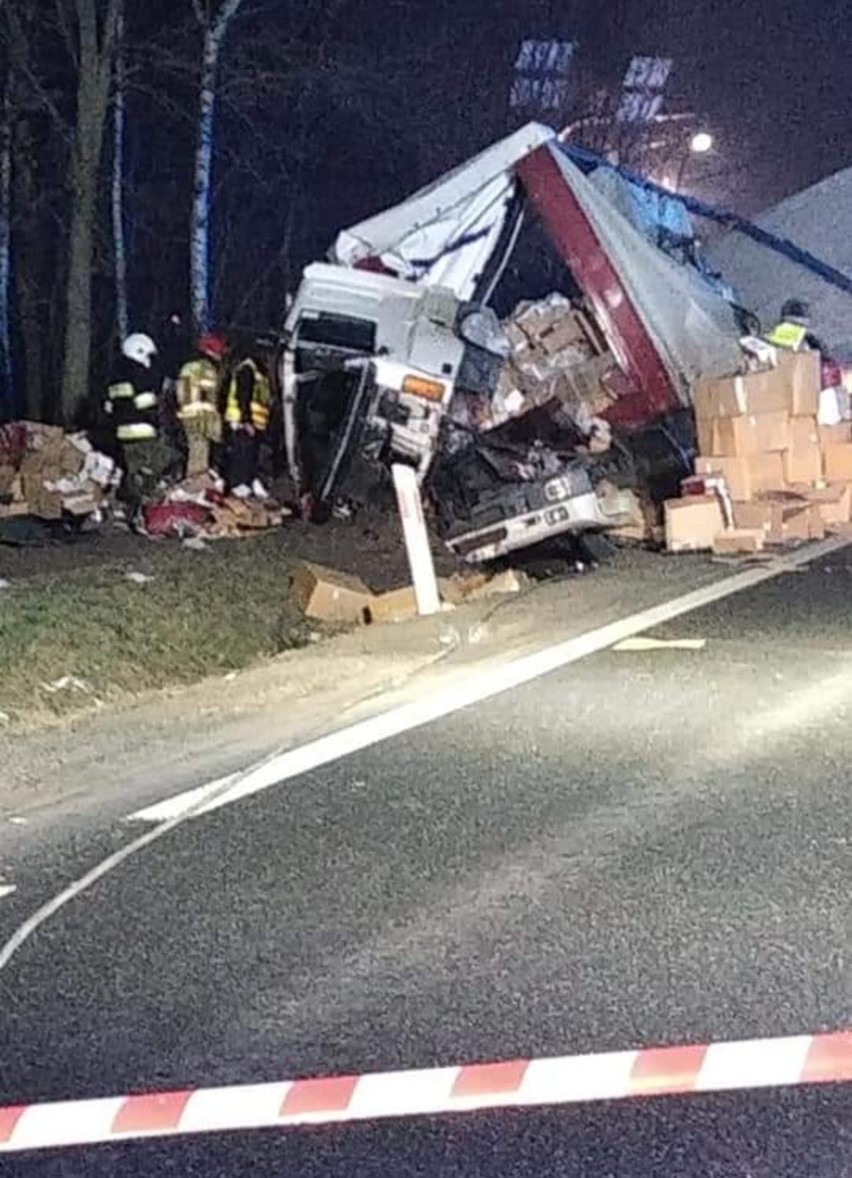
{"points": [[200, 232], [199, 240], [122, 308], [8, 400], [94, 73], [78, 328]]}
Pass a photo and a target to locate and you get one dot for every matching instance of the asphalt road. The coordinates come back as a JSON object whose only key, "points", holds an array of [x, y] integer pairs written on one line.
{"points": [[644, 848]]}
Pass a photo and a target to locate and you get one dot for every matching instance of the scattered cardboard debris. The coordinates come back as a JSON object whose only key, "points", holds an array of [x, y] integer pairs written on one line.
{"points": [[746, 540], [67, 683]]}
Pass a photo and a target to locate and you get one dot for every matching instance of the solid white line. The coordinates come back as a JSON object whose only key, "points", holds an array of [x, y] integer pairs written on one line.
{"points": [[480, 687], [473, 689], [7, 890]]}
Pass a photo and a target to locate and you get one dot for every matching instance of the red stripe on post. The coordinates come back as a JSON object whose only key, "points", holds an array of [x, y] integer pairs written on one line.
{"points": [[331, 1095], [490, 1079], [154, 1113], [9, 1118], [660, 1070], [829, 1058]]}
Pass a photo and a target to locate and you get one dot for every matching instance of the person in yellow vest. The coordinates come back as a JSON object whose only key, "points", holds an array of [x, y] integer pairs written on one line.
{"points": [[793, 331], [133, 408], [246, 413], [198, 387]]}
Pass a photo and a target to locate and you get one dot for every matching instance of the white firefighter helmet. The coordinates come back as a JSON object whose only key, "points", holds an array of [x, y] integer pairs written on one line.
{"points": [[139, 347]]}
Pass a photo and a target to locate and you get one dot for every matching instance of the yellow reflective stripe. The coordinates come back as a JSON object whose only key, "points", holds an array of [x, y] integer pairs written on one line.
{"points": [[261, 397], [145, 401], [198, 409], [123, 391], [138, 432], [259, 414], [788, 335]]}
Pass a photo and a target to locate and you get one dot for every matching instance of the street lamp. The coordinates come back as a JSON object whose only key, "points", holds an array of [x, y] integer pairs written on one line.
{"points": [[701, 143]]}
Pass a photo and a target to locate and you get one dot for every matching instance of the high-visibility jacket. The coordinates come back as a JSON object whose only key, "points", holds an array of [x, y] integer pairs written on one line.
{"points": [[133, 404], [254, 403], [791, 336], [198, 385]]}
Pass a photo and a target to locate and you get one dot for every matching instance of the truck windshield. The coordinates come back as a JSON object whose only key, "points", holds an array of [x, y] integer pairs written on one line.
{"points": [[338, 331]]}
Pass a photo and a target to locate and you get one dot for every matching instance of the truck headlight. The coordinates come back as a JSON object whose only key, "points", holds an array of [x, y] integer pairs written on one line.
{"points": [[556, 490]]}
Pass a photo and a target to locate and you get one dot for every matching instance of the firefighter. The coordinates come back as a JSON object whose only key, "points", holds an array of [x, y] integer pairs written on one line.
{"points": [[198, 402], [793, 331], [132, 405], [246, 413]]}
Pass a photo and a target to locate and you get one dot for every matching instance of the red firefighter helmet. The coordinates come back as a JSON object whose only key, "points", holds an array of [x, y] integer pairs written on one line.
{"points": [[213, 346]]}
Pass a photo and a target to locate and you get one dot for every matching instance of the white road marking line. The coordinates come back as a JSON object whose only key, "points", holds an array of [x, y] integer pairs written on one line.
{"points": [[473, 689], [7, 890], [640, 645], [488, 683]]}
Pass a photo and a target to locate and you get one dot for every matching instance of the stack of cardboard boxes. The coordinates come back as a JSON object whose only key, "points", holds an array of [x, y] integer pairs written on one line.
{"points": [[774, 474], [47, 472], [558, 355]]}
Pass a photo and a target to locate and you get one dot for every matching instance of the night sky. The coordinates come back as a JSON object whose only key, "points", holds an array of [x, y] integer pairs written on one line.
{"points": [[773, 78]]}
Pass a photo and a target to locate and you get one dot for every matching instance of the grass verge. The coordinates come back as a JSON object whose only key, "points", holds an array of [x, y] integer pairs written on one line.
{"points": [[202, 613]]}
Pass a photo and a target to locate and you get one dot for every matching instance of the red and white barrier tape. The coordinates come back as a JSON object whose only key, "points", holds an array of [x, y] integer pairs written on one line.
{"points": [[656, 1071]]}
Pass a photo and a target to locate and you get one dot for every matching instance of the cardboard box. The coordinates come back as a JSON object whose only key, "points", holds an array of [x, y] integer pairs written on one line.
{"points": [[800, 374], [735, 472], [85, 501], [509, 581], [398, 605], [692, 524], [736, 540], [42, 503], [834, 435], [802, 521], [8, 474], [765, 514], [746, 476], [756, 433], [838, 463], [330, 595], [458, 588], [71, 460], [564, 333], [736, 396], [704, 434], [834, 503], [765, 472], [11, 510], [803, 460]]}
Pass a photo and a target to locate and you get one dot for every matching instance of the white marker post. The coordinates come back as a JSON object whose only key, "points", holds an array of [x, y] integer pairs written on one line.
{"points": [[416, 540]]}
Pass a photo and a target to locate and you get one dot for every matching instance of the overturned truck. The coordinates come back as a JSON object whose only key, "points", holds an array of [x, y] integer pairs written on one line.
{"points": [[393, 354]]}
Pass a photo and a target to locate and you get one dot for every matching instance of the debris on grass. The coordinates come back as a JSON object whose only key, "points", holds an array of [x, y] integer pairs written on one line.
{"points": [[67, 683]]}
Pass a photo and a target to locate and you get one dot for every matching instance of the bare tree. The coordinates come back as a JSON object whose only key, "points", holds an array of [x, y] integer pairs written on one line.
{"points": [[215, 22], [7, 391], [119, 238], [93, 37]]}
